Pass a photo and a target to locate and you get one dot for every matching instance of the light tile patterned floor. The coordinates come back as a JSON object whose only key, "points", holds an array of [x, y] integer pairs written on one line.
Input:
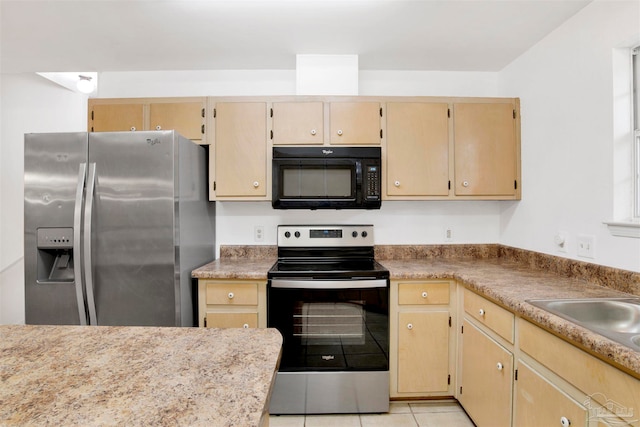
{"points": [[427, 413]]}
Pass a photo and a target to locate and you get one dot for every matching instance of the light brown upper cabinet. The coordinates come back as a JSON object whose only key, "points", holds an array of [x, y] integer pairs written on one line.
{"points": [[239, 152], [355, 123], [298, 123], [116, 117], [417, 149], [184, 115], [486, 149]]}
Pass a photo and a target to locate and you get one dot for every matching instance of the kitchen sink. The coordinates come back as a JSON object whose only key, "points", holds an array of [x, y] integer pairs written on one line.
{"points": [[616, 318]]}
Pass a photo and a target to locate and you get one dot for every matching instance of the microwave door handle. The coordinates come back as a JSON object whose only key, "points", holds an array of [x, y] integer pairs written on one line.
{"points": [[77, 260], [88, 266]]}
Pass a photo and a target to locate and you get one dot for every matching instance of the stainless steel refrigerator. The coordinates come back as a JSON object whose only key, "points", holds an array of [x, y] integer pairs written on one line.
{"points": [[114, 223]]}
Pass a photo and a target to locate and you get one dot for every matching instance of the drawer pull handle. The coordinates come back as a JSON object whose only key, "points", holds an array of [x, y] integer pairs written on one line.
{"points": [[158, 127], [499, 366], [565, 422], [313, 132], [256, 184], [424, 294], [409, 326], [481, 312], [246, 326], [397, 183], [339, 132], [231, 295]]}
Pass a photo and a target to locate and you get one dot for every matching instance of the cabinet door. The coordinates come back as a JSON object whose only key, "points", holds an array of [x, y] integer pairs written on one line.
{"points": [[117, 117], [485, 149], [298, 123], [185, 117], [417, 149], [423, 351], [539, 403], [486, 381], [240, 154], [354, 123]]}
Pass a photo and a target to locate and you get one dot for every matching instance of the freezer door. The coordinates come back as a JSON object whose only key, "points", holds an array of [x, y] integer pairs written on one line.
{"points": [[133, 228], [51, 177]]}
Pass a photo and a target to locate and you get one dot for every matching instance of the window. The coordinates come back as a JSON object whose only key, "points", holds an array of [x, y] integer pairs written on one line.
{"points": [[635, 83], [626, 142]]}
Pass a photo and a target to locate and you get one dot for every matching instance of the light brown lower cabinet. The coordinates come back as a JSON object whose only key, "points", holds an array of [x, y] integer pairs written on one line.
{"points": [[232, 303], [486, 379], [540, 403], [422, 346]]}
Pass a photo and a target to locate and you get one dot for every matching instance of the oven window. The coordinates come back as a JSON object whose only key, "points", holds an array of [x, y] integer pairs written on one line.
{"points": [[331, 330], [317, 182]]}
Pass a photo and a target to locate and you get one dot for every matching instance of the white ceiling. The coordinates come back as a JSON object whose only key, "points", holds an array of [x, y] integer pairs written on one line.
{"points": [[145, 35]]}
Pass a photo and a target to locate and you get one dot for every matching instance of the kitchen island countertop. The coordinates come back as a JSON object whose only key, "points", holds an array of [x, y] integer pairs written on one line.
{"points": [[104, 375]]}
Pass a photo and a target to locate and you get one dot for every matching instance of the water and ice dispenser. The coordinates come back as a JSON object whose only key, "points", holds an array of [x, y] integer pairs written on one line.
{"points": [[55, 255]]}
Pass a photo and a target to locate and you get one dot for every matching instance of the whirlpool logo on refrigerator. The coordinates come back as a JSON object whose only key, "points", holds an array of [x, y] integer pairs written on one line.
{"points": [[153, 141]]}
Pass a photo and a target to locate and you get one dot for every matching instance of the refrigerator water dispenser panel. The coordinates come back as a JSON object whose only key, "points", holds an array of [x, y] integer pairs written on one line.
{"points": [[55, 255]]}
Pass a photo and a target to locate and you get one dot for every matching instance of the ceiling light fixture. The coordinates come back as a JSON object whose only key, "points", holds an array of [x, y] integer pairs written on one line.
{"points": [[85, 84]]}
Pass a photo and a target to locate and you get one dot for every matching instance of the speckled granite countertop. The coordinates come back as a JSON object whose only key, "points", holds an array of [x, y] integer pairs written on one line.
{"points": [[79, 375], [510, 284], [506, 275]]}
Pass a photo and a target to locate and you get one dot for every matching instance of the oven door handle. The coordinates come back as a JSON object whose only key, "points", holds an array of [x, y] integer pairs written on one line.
{"points": [[328, 284]]}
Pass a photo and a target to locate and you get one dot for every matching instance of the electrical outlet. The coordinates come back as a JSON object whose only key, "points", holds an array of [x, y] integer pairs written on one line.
{"points": [[448, 234], [586, 246], [258, 233]]}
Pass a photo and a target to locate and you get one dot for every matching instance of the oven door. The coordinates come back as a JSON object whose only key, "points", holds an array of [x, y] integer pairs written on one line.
{"points": [[331, 326], [315, 183]]}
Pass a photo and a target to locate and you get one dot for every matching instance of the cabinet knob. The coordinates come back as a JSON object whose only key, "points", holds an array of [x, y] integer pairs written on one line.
{"points": [[424, 294], [158, 127], [313, 132], [465, 183], [231, 295], [256, 184], [481, 312], [409, 326], [133, 128], [339, 132], [565, 422], [499, 366], [397, 183], [246, 326]]}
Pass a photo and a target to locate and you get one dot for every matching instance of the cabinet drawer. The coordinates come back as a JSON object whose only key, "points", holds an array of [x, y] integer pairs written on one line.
{"points": [[232, 293], [489, 314], [605, 385], [423, 293], [540, 403], [232, 320]]}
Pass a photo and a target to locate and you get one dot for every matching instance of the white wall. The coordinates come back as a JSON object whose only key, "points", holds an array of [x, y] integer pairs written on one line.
{"points": [[29, 104], [566, 85]]}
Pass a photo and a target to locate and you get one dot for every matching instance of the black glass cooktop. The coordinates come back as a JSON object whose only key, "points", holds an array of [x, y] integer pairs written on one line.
{"points": [[337, 268]]}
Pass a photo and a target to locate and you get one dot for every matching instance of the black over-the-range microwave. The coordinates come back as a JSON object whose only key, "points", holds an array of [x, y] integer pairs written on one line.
{"points": [[326, 178]]}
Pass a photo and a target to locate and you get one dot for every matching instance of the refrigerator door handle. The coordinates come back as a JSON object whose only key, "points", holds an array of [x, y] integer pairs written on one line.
{"points": [[77, 224], [88, 267]]}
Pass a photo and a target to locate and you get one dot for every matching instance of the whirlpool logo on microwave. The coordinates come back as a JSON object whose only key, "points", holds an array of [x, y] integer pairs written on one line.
{"points": [[327, 152]]}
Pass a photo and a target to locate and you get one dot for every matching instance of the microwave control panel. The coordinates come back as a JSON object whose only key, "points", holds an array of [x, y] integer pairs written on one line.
{"points": [[372, 182]]}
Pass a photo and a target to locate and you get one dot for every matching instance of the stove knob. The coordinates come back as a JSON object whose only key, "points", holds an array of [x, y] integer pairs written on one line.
{"points": [[364, 234], [297, 234], [287, 234], [354, 234]]}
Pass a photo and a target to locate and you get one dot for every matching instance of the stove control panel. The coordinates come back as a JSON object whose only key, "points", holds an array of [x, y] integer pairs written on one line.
{"points": [[325, 235]]}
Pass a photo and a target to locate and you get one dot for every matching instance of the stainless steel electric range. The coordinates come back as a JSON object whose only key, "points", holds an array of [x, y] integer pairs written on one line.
{"points": [[330, 300]]}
